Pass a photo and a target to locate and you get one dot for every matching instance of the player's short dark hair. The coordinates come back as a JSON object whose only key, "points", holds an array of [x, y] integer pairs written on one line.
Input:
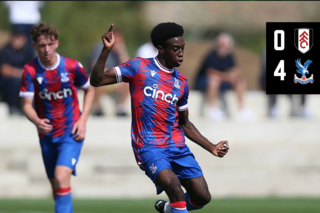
{"points": [[43, 29], [164, 31]]}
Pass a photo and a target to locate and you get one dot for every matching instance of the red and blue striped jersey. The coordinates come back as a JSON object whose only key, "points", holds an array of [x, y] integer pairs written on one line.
{"points": [[157, 94], [55, 92]]}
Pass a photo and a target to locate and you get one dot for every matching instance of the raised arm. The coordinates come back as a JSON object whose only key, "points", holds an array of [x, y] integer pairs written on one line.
{"points": [[194, 135], [99, 77]]}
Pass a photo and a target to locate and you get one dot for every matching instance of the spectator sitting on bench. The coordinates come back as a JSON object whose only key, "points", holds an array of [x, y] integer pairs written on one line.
{"points": [[13, 56], [219, 73]]}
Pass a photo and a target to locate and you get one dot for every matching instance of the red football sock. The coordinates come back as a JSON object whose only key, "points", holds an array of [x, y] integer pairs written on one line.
{"points": [[63, 191]]}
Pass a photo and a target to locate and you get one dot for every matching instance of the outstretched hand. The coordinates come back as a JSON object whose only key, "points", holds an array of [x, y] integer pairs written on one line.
{"points": [[221, 149], [108, 38]]}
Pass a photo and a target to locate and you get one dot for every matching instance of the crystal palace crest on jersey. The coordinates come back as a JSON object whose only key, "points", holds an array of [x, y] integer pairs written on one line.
{"points": [[64, 77], [176, 83]]}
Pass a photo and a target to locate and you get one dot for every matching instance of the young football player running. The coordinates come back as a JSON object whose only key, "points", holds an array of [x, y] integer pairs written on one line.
{"points": [[51, 81], [159, 97]]}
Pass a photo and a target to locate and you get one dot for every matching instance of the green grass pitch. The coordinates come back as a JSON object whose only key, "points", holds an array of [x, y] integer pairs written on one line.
{"points": [[270, 205]]}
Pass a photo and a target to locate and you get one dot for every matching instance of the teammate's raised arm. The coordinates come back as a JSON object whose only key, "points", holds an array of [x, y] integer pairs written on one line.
{"points": [[99, 77]]}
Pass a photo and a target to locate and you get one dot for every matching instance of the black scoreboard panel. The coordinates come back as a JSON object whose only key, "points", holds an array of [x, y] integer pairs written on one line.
{"points": [[293, 58]]}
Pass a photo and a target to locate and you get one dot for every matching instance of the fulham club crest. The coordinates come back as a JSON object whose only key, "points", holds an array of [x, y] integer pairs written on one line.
{"points": [[303, 39]]}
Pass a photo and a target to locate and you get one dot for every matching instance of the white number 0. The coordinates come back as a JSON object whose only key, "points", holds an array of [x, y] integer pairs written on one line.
{"points": [[280, 70], [276, 46]]}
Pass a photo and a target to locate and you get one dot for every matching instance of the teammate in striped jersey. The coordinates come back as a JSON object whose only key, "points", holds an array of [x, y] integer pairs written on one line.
{"points": [[51, 81]]}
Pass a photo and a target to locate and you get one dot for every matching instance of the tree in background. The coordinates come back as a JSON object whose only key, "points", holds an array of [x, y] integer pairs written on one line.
{"points": [[81, 23]]}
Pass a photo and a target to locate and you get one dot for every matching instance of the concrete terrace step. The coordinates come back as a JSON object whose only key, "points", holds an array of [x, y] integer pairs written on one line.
{"points": [[266, 157], [256, 101]]}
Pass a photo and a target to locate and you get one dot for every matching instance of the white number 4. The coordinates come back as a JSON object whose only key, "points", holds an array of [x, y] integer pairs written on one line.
{"points": [[280, 70]]}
